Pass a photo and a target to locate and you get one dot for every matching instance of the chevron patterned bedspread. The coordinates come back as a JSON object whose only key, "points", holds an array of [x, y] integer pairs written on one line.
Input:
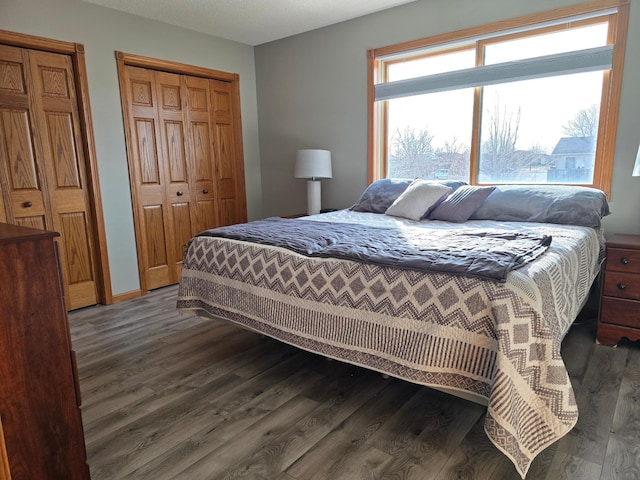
{"points": [[499, 341]]}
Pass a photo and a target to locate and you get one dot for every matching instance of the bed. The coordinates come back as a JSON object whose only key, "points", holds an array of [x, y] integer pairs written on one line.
{"points": [[493, 340]]}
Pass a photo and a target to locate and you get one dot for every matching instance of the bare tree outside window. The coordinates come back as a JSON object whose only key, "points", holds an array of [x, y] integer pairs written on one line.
{"points": [[584, 124], [419, 152], [412, 153], [499, 137], [454, 157]]}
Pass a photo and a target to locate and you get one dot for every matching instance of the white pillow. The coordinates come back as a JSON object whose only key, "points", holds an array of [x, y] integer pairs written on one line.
{"points": [[417, 199]]}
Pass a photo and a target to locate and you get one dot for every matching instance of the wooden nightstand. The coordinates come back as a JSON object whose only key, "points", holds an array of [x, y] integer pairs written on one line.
{"points": [[620, 294]]}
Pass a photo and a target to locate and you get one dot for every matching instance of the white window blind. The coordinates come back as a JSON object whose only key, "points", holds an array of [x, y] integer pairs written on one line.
{"points": [[587, 60]]}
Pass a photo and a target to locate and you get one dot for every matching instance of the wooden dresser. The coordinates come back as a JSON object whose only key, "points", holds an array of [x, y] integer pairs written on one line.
{"points": [[620, 301], [41, 435]]}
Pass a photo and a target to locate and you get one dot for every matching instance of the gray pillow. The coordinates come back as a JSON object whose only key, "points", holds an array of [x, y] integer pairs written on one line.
{"points": [[417, 199], [461, 204], [563, 204], [382, 193]]}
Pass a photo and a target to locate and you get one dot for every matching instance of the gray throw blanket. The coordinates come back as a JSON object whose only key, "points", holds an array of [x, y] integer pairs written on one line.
{"points": [[486, 254]]}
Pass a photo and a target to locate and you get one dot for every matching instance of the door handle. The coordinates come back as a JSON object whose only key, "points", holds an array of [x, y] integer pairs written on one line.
{"points": [[179, 194], [27, 204], [205, 191]]}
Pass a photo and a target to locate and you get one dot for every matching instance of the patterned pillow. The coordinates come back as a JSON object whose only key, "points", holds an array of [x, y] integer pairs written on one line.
{"points": [[461, 204], [417, 199]]}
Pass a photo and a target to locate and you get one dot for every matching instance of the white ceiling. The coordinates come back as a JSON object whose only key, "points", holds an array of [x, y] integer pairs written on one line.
{"points": [[252, 22]]}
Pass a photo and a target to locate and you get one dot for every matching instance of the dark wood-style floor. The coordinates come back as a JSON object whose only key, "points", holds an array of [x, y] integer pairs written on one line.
{"points": [[168, 395]]}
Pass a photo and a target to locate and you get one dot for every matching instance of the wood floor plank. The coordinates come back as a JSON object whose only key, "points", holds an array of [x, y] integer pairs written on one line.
{"points": [[228, 425], [575, 468], [128, 340], [477, 458], [341, 447], [272, 429], [284, 476], [276, 453], [128, 447], [622, 460], [596, 401], [364, 463], [172, 396], [166, 387], [202, 406], [170, 387], [108, 405], [227, 358], [116, 373], [424, 433]]}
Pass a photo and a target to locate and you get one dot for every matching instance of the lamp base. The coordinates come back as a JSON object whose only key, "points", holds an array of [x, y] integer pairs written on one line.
{"points": [[313, 197]]}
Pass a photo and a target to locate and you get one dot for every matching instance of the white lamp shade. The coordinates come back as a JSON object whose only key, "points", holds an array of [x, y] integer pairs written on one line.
{"points": [[312, 163], [636, 167]]}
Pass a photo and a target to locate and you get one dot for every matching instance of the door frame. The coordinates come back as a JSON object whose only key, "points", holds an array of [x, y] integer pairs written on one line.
{"points": [[126, 59], [76, 52]]}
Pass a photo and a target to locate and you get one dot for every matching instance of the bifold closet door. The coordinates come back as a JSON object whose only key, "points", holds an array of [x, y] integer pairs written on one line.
{"points": [[229, 174], [42, 164], [185, 171], [159, 171], [200, 119]]}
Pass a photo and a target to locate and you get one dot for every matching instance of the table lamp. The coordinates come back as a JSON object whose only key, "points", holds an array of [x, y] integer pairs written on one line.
{"points": [[314, 165]]}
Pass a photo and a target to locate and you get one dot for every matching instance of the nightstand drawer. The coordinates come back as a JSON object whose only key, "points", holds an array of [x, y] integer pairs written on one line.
{"points": [[623, 285], [623, 260], [620, 312]]}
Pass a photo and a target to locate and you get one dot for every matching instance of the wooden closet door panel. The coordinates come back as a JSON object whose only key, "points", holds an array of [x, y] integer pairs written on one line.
{"points": [[21, 177], [200, 117], [148, 178], [180, 214], [64, 162], [227, 169]]}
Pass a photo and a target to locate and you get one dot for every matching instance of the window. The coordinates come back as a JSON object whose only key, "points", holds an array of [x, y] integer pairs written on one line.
{"points": [[533, 102]]}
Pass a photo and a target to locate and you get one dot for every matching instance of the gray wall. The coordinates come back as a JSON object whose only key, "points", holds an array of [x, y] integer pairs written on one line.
{"points": [[103, 31], [312, 94]]}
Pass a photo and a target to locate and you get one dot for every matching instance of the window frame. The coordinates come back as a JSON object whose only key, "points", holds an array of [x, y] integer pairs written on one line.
{"points": [[378, 61]]}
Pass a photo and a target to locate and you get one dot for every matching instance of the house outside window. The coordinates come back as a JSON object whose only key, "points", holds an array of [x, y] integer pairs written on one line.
{"points": [[573, 160], [533, 102]]}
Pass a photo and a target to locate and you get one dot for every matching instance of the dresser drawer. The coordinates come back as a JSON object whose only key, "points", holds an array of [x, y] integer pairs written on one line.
{"points": [[623, 260], [623, 285], [618, 311]]}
